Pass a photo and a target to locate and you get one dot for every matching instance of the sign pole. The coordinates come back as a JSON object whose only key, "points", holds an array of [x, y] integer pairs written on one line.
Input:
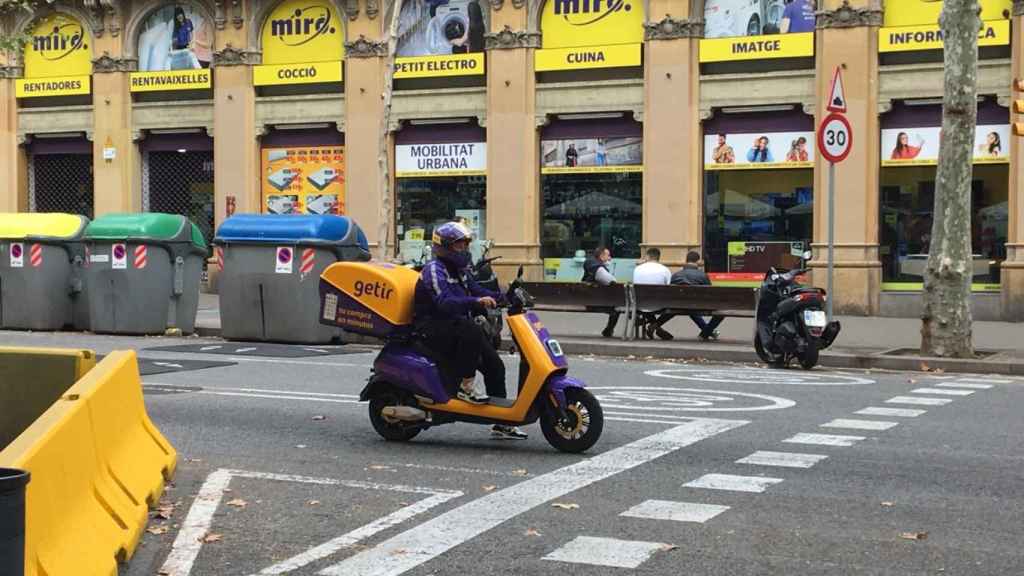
{"points": [[831, 235]]}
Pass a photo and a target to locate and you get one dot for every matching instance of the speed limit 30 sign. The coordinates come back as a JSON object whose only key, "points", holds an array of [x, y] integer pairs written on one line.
{"points": [[835, 138]]}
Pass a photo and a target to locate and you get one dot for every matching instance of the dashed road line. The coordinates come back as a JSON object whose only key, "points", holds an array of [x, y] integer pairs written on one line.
{"points": [[899, 412], [606, 552], [782, 459], [970, 385], [732, 483], [675, 511], [919, 401], [942, 392], [859, 424], [824, 439], [985, 380]]}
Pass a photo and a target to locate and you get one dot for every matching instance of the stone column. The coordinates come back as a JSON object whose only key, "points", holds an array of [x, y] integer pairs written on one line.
{"points": [[13, 182], [1012, 273], [672, 207], [513, 145], [235, 148], [116, 182], [847, 36]]}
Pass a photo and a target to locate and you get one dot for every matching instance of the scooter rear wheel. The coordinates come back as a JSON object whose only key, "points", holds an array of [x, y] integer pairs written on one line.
{"points": [[391, 431], [809, 359], [582, 427]]}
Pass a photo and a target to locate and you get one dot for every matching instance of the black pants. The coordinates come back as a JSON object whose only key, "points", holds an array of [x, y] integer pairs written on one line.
{"points": [[706, 328], [463, 348]]}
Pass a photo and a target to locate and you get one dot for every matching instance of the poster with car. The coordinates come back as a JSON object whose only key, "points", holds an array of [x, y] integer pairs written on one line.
{"points": [[304, 180], [175, 37], [759, 150], [441, 38], [920, 146], [592, 155], [732, 18]]}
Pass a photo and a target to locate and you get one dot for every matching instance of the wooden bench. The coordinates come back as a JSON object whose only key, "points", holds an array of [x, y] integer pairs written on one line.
{"points": [[728, 301], [580, 297]]}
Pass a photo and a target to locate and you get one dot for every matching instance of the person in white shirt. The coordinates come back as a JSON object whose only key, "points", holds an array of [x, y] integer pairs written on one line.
{"points": [[652, 271]]}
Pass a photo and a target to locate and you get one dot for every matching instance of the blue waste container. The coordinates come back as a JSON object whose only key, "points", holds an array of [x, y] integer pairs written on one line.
{"points": [[270, 269]]}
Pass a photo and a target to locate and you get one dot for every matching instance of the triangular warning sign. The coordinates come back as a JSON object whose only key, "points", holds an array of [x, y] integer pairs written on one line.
{"points": [[836, 96]]}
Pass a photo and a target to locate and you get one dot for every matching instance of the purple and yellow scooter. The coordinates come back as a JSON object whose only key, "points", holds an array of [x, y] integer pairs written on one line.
{"points": [[408, 392]]}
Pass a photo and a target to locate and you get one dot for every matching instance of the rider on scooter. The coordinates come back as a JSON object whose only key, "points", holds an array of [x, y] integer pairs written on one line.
{"points": [[446, 297]]}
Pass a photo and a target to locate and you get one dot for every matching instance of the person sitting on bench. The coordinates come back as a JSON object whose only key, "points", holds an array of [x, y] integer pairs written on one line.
{"points": [[692, 275], [595, 271], [652, 271]]}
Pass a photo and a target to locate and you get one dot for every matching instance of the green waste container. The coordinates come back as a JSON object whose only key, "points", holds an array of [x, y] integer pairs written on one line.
{"points": [[41, 272], [143, 273]]}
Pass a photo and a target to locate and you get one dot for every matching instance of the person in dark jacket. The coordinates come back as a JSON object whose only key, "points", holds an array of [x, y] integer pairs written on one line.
{"points": [[595, 271], [692, 275], [446, 298]]}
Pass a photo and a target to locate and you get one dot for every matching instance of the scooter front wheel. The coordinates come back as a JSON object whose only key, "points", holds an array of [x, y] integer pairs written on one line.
{"points": [[391, 431], [581, 427], [773, 360]]}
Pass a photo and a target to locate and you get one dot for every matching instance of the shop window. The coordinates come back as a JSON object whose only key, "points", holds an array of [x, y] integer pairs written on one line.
{"points": [[424, 203], [180, 182], [61, 183], [907, 204]]}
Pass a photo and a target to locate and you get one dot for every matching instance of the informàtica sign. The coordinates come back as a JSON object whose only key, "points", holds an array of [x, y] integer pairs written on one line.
{"points": [[304, 180], [582, 155], [759, 150], [757, 29], [58, 59], [452, 159], [582, 34], [175, 50], [441, 38], [303, 43], [914, 25], [920, 146]]}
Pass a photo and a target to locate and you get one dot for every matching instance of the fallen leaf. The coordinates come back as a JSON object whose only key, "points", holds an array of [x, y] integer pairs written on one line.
{"points": [[888, 504], [164, 512], [489, 488], [531, 532], [157, 530], [911, 381], [211, 538], [939, 371], [563, 506], [319, 417], [313, 503], [914, 535], [520, 472], [163, 573], [669, 547], [228, 490], [379, 467], [924, 367], [238, 503]]}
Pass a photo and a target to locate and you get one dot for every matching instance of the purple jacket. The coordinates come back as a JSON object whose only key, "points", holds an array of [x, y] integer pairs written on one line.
{"points": [[445, 293]]}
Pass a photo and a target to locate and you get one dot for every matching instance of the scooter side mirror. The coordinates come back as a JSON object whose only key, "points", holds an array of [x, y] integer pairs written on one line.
{"points": [[808, 255], [519, 273]]}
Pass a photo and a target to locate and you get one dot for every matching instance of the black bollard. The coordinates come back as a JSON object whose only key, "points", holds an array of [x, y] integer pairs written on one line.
{"points": [[12, 521]]}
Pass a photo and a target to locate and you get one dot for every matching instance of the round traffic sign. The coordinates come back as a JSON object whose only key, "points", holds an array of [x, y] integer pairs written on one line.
{"points": [[835, 138]]}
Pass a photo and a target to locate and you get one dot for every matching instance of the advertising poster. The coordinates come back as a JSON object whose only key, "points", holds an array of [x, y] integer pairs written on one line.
{"points": [[454, 159], [175, 50], [920, 146], [303, 43], [758, 257], [591, 155], [590, 34], [304, 180], [757, 29], [441, 38], [914, 25], [758, 151], [58, 59]]}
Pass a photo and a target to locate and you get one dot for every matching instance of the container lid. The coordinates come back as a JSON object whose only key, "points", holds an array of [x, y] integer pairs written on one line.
{"points": [[151, 226], [282, 228], [33, 225]]}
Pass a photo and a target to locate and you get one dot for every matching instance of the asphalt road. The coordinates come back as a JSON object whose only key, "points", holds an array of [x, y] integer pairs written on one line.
{"points": [[702, 469]]}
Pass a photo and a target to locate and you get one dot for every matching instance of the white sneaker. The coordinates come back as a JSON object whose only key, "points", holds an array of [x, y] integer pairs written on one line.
{"points": [[467, 393], [503, 432]]}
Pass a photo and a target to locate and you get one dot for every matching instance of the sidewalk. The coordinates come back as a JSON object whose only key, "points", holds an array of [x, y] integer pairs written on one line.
{"points": [[865, 342]]}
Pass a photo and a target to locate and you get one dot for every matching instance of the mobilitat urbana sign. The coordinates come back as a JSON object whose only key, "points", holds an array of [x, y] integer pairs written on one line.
{"points": [[58, 59], [584, 34], [913, 25], [303, 43]]}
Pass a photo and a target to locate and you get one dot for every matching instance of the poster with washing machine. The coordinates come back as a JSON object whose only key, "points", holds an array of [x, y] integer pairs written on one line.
{"points": [[759, 150], [441, 38], [303, 180], [591, 155], [920, 146], [757, 29]]}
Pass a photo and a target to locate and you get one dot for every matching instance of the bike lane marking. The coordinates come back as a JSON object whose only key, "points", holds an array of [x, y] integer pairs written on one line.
{"points": [[442, 533]]}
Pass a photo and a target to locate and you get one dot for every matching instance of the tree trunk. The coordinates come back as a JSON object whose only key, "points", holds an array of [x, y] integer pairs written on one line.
{"points": [[385, 211], [946, 319]]}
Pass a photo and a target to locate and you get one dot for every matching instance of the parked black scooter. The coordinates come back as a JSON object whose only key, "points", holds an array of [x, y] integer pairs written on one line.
{"points": [[791, 321]]}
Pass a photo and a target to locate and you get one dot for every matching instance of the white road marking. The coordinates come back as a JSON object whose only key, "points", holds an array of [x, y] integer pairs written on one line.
{"points": [[760, 376], [168, 364], [606, 552], [298, 362], [881, 411], [668, 417], [917, 400], [662, 398], [200, 517], [756, 484], [824, 439], [859, 424], [782, 459], [240, 350], [457, 469], [278, 397], [985, 380], [207, 348], [255, 390], [970, 385], [640, 420], [262, 393], [675, 511], [442, 533], [320, 350], [942, 392]]}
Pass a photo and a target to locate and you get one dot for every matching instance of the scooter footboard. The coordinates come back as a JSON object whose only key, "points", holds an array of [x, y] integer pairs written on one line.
{"points": [[559, 383]]}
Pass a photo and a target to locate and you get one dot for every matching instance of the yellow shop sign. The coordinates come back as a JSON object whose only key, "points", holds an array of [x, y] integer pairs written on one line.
{"points": [[587, 57], [309, 73], [171, 80], [929, 37], [471, 64], [926, 12], [757, 47], [300, 31], [59, 46], [53, 86]]}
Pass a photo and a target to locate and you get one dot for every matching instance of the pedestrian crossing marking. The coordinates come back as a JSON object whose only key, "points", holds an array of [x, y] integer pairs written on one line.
{"points": [[963, 385], [919, 401], [859, 424], [606, 552], [732, 483], [674, 511], [782, 459], [882, 411], [941, 392], [824, 439]]}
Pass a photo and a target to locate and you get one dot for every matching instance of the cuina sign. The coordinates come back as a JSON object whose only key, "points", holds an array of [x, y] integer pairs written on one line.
{"points": [[580, 34]]}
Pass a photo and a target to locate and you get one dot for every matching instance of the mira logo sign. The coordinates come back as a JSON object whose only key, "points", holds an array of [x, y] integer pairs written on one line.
{"points": [[303, 25], [58, 46], [60, 41], [587, 12], [303, 32]]}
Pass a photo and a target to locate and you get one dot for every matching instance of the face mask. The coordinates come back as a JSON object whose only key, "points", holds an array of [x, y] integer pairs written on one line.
{"points": [[460, 259]]}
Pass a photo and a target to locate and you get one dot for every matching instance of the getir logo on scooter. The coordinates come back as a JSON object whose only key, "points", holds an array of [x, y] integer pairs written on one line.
{"points": [[375, 289]]}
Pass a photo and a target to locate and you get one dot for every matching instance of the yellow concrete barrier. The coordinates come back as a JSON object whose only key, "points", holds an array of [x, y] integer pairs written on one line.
{"points": [[97, 462]]}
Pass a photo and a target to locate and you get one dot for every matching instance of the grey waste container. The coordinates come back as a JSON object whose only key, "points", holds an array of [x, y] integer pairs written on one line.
{"points": [[271, 267], [12, 521], [41, 267], [143, 273]]}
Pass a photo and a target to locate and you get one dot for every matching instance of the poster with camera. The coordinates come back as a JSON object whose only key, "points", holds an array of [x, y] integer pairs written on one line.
{"points": [[304, 180], [591, 155], [759, 150], [441, 38]]}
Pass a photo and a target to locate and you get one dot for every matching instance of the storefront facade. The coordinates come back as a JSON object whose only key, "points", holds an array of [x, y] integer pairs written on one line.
{"points": [[553, 127]]}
